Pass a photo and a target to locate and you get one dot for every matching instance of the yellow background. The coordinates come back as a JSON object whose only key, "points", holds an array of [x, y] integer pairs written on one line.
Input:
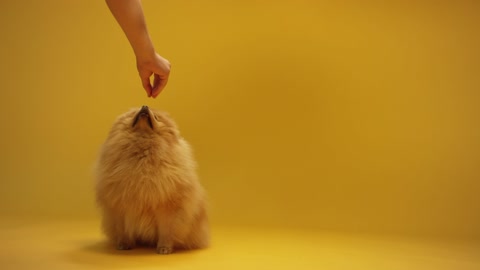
{"points": [[314, 115]]}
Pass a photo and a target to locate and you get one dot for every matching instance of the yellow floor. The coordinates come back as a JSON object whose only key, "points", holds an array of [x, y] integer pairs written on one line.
{"points": [[79, 245]]}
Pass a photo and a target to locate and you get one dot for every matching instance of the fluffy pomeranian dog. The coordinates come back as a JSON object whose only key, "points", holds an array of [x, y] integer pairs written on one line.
{"points": [[147, 186]]}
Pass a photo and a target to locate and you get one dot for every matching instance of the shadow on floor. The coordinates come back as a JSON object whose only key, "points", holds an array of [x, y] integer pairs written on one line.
{"points": [[103, 254]]}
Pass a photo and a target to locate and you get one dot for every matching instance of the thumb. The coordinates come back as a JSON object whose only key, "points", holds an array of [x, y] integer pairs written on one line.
{"points": [[158, 84]]}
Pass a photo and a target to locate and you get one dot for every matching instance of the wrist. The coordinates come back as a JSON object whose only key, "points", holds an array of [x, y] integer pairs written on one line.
{"points": [[144, 50]]}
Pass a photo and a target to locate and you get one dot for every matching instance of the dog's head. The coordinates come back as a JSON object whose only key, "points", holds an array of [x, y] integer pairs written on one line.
{"points": [[145, 123]]}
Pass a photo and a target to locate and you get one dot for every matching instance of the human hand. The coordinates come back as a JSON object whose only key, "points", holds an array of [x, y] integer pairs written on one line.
{"points": [[157, 66]]}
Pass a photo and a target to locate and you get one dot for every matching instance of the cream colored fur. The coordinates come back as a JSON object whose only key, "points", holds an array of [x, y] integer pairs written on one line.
{"points": [[147, 186]]}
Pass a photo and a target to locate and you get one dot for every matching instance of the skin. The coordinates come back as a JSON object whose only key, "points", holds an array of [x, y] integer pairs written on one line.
{"points": [[130, 17]]}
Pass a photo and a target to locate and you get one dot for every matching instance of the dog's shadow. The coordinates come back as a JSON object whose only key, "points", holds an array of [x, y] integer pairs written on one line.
{"points": [[103, 254]]}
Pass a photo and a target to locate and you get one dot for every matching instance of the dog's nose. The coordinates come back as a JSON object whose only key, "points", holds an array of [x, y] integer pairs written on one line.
{"points": [[144, 109]]}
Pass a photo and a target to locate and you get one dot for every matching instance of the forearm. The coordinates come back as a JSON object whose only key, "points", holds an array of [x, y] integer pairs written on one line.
{"points": [[129, 15]]}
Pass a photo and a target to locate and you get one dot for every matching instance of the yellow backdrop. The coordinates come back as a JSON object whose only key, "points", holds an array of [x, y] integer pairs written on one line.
{"points": [[304, 114]]}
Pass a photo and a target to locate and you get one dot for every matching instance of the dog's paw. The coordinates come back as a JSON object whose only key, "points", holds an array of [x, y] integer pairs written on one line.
{"points": [[124, 246], [164, 250]]}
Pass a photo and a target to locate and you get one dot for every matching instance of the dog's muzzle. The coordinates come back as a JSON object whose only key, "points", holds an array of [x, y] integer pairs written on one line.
{"points": [[143, 113]]}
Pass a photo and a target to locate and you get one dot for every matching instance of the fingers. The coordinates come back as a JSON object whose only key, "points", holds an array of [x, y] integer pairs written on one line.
{"points": [[159, 67], [158, 85]]}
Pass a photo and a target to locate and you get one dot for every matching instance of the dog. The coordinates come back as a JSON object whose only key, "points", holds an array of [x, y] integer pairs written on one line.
{"points": [[147, 186]]}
